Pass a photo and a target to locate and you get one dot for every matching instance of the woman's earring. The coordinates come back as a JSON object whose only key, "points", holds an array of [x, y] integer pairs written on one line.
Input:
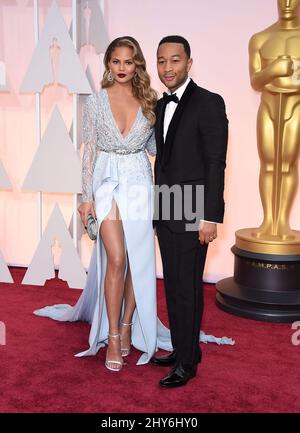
{"points": [[110, 77]]}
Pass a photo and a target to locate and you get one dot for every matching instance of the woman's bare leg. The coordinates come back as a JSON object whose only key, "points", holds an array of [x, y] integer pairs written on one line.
{"points": [[112, 235], [125, 328]]}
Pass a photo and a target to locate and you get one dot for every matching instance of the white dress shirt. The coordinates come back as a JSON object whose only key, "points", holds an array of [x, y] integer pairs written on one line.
{"points": [[170, 110], [171, 106]]}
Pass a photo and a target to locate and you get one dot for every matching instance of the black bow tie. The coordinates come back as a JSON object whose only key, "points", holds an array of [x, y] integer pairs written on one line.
{"points": [[172, 97]]}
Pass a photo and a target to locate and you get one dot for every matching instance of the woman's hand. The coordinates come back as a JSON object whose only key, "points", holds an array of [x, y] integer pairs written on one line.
{"points": [[85, 209]]}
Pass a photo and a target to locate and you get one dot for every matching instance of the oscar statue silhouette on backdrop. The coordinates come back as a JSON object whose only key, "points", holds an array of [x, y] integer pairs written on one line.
{"points": [[55, 60], [87, 19], [266, 282]]}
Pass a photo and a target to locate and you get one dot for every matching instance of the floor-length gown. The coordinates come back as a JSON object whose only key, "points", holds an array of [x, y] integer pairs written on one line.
{"points": [[117, 168]]}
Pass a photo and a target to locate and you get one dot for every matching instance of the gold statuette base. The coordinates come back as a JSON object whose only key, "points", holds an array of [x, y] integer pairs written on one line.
{"points": [[246, 240]]}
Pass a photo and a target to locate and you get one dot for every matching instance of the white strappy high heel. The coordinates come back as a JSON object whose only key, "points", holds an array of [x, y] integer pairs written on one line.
{"points": [[110, 362], [125, 351]]}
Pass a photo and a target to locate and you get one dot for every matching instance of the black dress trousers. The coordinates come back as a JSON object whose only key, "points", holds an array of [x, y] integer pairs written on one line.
{"points": [[183, 259]]}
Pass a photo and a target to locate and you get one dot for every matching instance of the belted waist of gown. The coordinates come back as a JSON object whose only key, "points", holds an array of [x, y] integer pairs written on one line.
{"points": [[122, 151], [110, 167]]}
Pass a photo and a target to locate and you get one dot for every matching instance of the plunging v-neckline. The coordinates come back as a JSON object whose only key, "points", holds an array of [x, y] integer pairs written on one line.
{"points": [[114, 120]]}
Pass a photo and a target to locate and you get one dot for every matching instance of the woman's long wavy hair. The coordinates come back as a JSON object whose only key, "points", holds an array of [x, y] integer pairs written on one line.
{"points": [[141, 87]]}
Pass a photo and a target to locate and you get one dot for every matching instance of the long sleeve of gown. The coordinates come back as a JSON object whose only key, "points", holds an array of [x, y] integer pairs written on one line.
{"points": [[151, 144], [89, 153]]}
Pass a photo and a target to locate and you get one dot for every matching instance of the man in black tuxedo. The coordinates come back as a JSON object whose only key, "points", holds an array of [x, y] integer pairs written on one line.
{"points": [[191, 135]]}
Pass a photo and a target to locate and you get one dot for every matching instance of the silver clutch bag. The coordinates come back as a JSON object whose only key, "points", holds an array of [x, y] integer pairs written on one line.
{"points": [[92, 227]]}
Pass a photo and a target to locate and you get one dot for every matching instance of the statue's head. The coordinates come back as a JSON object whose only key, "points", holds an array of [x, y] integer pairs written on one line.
{"points": [[288, 9]]}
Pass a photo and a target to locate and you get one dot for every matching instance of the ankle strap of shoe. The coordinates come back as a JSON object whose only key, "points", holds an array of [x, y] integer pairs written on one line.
{"points": [[113, 335], [126, 324]]}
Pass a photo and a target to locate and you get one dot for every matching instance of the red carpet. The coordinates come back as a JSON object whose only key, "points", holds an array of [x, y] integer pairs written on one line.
{"points": [[40, 374]]}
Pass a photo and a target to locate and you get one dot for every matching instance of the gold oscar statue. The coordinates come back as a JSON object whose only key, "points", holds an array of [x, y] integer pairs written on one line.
{"points": [[266, 282], [274, 70]]}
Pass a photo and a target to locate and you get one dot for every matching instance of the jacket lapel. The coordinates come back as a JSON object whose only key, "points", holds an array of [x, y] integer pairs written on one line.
{"points": [[159, 128], [174, 122]]}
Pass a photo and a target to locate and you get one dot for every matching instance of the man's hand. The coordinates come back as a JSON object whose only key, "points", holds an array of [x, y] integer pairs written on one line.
{"points": [[207, 232], [85, 209]]}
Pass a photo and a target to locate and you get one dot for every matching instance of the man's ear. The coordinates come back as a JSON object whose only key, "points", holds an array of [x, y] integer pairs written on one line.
{"points": [[189, 64]]}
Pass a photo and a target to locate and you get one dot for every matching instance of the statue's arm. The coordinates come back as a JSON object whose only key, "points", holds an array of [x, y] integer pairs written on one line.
{"points": [[261, 76]]}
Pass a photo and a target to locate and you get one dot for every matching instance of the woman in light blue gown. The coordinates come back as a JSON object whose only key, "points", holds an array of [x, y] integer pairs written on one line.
{"points": [[119, 299]]}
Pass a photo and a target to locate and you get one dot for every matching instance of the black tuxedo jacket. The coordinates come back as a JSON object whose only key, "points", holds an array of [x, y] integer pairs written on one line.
{"points": [[194, 152]]}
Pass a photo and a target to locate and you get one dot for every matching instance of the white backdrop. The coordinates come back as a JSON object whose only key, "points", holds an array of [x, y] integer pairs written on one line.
{"points": [[218, 32]]}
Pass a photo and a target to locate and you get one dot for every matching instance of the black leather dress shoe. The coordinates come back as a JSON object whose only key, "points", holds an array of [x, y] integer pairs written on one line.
{"points": [[178, 376], [165, 360]]}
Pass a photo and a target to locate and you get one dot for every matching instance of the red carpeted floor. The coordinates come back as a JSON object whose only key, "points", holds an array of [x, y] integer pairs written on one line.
{"points": [[40, 374]]}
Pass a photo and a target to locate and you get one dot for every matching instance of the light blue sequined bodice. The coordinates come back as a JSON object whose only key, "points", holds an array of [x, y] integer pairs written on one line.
{"points": [[102, 137]]}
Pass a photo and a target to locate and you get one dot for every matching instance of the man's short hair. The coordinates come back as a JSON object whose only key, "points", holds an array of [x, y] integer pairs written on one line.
{"points": [[175, 39]]}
